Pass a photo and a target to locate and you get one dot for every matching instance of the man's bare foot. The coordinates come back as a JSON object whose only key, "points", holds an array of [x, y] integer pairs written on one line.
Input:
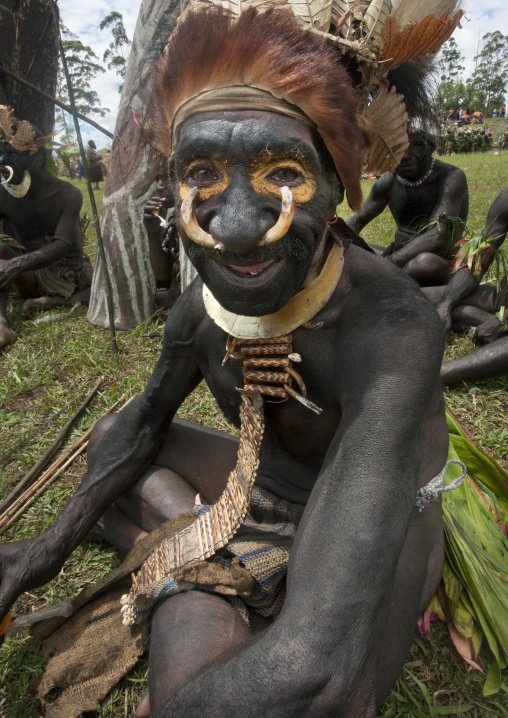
{"points": [[7, 336], [487, 332], [143, 710], [29, 305]]}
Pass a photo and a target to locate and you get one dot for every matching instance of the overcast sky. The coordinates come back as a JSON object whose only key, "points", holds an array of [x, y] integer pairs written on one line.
{"points": [[83, 18]]}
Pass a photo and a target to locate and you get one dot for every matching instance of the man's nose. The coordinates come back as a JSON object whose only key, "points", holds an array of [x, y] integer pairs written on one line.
{"points": [[239, 217]]}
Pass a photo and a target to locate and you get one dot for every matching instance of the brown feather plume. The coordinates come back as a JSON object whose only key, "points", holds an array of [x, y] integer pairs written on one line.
{"points": [[272, 51]]}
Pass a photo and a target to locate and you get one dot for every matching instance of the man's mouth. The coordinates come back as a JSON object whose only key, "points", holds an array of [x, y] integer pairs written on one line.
{"points": [[251, 270], [252, 276]]}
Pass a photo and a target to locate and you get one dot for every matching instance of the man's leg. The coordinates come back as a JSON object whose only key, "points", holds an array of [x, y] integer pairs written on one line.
{"points": [[194, 632], [192, 460], [7, 335], [465, 316], [428, 269], [191, 632], [26, 284], [50, 302]]}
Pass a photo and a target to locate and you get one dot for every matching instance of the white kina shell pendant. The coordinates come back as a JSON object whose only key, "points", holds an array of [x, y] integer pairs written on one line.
{"points": [[300, 309], [18, 190]]}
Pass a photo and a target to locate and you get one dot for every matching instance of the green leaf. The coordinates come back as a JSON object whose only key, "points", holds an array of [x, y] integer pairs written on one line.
{"points": [[494, 680]]}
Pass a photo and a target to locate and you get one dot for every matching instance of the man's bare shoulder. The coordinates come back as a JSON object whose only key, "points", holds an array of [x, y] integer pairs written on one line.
{"points": [[65, 190], [384, 184], [447, 170]]}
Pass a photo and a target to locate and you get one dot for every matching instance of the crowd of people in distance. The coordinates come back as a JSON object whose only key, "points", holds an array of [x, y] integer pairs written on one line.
{"points": [[453, 141]]}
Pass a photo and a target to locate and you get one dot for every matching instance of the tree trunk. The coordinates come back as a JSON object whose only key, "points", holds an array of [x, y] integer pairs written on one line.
{"points": [[130, 182], [29, 47]]}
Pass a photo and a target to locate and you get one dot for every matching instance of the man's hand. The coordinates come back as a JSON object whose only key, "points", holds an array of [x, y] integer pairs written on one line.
{"points": [[9, 272], [444, 309], [151, 220], [25, 565]]}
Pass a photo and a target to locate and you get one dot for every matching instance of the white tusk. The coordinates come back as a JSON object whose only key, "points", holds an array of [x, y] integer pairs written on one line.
{"points": [[191, 224], [282, 225], [6, 181]]}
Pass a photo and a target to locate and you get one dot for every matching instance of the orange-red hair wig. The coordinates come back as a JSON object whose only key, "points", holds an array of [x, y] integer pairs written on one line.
{"points": [[270, 50]]}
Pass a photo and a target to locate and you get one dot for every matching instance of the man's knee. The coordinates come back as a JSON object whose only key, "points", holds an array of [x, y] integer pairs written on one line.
{"points": [[427, 267]]}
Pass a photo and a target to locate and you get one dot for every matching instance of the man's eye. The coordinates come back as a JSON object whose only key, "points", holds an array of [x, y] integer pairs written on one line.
{"points": [[203, 174], [285, 175]]}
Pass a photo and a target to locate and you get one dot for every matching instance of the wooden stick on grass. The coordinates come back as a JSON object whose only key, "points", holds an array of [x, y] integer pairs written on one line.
{"points": [[20, 505], [29, 478]]}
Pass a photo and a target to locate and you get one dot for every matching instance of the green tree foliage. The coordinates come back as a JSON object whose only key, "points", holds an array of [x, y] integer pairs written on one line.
{"points": [[451, 89], [83, 67], [118, 51], [486, 87], [488, 81]]}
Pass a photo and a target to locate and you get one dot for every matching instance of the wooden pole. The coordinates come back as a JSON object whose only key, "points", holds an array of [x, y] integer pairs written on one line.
{"points": [[52, 99], [31, 476], [100, 245]]}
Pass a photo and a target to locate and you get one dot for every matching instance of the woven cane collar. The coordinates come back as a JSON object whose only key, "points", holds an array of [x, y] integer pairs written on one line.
{"points": [[267, 366]]}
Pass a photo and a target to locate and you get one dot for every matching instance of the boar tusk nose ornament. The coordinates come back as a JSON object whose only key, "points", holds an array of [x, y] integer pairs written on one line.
{"points": [[283, 224], [191, 224], [198, 235], [11, 172]]}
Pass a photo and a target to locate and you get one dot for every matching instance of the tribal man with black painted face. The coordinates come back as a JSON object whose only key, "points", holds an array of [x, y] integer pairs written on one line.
{"points": [[419, 191], [307, 343], [240, 166], [41, 253]]}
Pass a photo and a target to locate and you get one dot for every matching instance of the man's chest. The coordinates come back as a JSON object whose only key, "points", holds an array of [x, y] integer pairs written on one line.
{"points": [[293, 369], [33, 220], [411, 206]]}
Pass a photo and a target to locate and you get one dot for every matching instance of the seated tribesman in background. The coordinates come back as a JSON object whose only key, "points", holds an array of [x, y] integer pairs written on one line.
{"points": [[163, 245], [464, 302], [41, 254], [348, 438], [420, 189]]}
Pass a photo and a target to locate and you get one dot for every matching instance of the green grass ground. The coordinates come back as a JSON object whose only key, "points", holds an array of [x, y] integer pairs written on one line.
{"points": [[46, 375]]}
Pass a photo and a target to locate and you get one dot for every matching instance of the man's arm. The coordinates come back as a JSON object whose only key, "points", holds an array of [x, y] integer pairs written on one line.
{"points": [[451, 194], [375, 204], [123, 455], [67, 239], [325, 647], [463, 282]]}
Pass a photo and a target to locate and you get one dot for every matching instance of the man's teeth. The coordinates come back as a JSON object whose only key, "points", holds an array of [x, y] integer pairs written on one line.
{"points": [[253, 274]]}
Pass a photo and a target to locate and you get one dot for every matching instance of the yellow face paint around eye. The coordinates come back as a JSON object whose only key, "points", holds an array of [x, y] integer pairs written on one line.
{"points": [[206, 192], [302, 193]]}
